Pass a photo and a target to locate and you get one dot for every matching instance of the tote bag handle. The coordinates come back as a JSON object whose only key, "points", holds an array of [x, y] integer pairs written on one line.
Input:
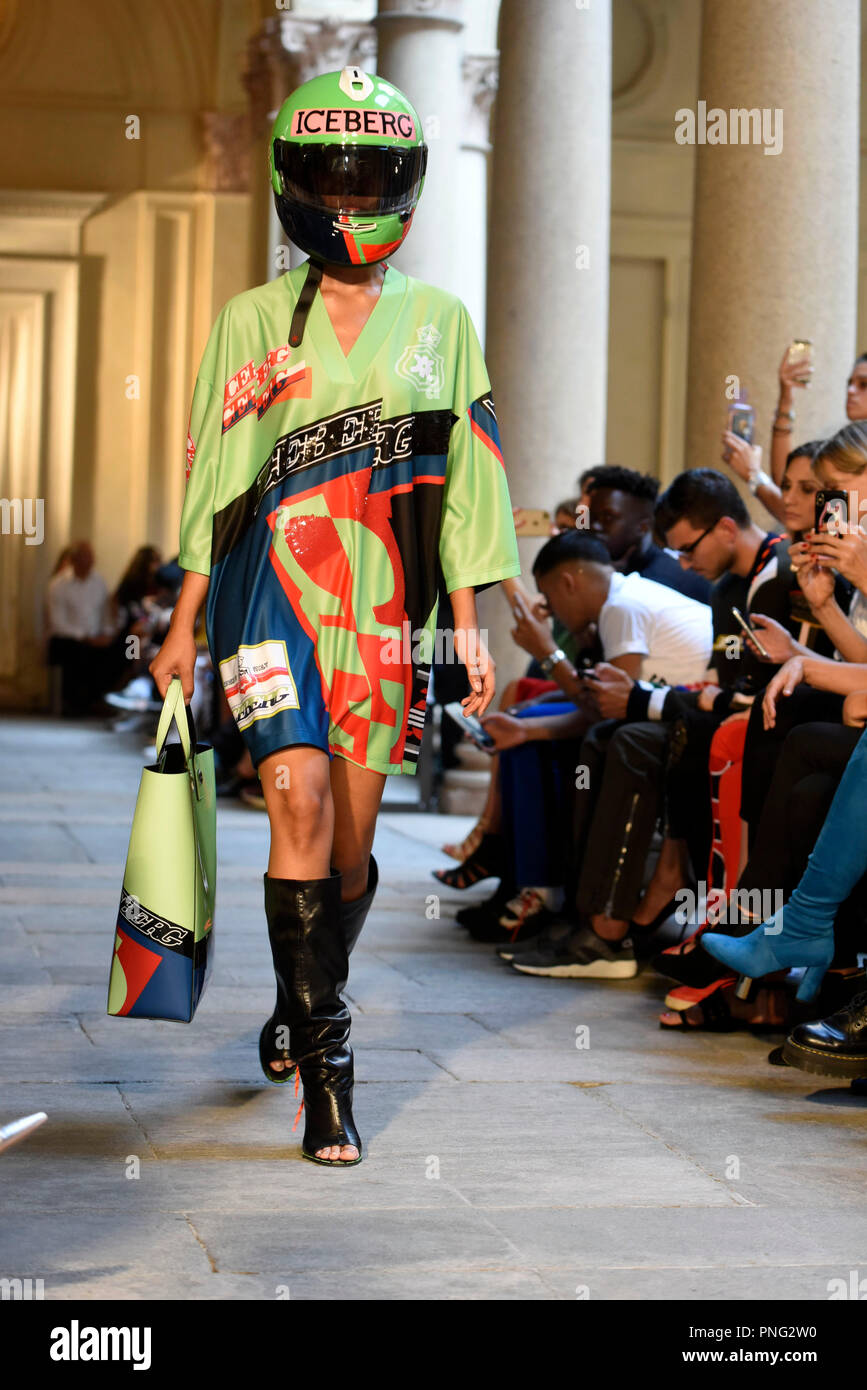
{"points": [[172, 705]]}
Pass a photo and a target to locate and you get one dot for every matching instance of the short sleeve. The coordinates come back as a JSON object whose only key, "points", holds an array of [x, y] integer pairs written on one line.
{"points": [[203, 452], [624, 630], [477, 545]]}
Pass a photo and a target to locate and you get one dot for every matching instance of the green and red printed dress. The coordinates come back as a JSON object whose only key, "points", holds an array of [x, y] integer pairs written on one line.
{"points": [[326, 494]]}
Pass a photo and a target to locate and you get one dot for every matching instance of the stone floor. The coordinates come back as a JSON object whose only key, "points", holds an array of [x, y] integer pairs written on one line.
{"points": [[502, 1161]]}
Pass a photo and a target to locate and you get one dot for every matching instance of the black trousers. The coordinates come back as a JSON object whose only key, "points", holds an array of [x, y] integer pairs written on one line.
{"points": [[616, 813], [764, 746]]}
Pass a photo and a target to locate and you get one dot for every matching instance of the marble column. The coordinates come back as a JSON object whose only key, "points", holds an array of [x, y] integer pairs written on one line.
{"points": [[287, 50], [775, 233], [479, 73], [419, 50], [548, 266]]}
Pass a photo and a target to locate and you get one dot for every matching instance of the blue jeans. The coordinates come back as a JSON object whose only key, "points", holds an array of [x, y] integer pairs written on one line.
{"points": [[536, 784]]}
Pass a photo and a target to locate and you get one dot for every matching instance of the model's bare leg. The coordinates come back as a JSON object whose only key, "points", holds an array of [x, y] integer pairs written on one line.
{"points": [[297, 791], [357, 793]]}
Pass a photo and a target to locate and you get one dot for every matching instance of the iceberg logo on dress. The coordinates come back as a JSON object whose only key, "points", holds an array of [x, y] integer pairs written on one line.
{"points": [[258, 682], [422, 364], [243, 393]]}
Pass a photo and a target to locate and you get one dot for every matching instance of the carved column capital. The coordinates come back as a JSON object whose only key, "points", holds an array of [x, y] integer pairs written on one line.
{"points": [[480, 73], [290, 49], [226, 140]]}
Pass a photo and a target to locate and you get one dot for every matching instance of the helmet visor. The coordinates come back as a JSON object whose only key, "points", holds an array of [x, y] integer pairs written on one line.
{"points": [[375, 179]]}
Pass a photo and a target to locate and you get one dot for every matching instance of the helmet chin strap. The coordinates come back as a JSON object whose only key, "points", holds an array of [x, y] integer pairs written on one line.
{"points": [[305, 300]]}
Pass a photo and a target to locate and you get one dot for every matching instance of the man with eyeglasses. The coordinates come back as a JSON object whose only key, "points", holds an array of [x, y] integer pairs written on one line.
{"points": [[703, 518]]}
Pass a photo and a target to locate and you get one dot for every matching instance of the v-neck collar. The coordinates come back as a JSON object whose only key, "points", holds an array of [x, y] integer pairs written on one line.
{"points": [[380, 321]]}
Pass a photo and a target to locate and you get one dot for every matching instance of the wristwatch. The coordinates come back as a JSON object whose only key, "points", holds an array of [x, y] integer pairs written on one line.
{"points": [[758, 480], [549, 662]]}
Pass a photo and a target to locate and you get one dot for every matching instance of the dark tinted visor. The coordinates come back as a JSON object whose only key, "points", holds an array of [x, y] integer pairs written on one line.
{"points": [[351, 178]]}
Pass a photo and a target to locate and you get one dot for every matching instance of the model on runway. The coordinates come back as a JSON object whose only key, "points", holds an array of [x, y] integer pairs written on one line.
{"points": [[343, 456]]}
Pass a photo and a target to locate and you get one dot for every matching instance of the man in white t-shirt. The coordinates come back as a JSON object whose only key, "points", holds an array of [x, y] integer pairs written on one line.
{"points": [[671, 634], [648, 633]]}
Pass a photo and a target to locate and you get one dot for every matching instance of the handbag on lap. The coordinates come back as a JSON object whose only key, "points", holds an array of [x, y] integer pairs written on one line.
{"points": [[163, 943]]}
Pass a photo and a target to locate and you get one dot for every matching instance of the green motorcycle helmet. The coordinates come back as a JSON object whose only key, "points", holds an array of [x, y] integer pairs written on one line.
{"points": [[347, 160]]}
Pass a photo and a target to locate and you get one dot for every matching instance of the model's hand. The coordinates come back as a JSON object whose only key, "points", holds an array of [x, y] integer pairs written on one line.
{"points": [[480, 667], [776, 639], [176, 657], [531, 631], [505, 730], [609, 689], [783, 683], [855, 709]]}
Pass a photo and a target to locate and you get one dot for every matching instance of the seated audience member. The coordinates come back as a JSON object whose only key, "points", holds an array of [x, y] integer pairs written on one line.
{"points": [[621, 512], [703, 517], [80, 627], [856, 408], [646, 630], [450, 683], [801, 934]]}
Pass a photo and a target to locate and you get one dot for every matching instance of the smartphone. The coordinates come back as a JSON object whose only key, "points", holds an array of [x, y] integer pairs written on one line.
{"points": [[798, 352], [832, 510], [739, 617], [534, 521], [742, 420], [470, 724]]}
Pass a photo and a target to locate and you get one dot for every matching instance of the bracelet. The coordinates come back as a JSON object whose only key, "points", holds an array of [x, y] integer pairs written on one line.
{"points": [[760, 479], [548, 663], [782, 429]]}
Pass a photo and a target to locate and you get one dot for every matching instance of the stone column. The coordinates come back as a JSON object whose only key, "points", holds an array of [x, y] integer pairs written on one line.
{"points": [[285, 52], [775, 234], [420, 52], [547, 294], [479, 73]]}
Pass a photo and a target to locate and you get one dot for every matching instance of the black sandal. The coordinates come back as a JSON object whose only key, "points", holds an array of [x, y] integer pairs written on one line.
{"points": [[488, 861]]}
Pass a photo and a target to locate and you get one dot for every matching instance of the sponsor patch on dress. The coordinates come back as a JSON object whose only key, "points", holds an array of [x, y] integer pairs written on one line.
{"points": [[258, 682]]}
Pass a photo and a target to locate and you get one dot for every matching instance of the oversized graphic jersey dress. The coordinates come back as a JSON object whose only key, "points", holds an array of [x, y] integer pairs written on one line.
{"points": [[325, 495]]}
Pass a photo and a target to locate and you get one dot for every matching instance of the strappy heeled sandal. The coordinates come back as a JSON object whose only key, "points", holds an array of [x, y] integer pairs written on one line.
{"points": [[469, 845], [489, 861], [716, 1014]]}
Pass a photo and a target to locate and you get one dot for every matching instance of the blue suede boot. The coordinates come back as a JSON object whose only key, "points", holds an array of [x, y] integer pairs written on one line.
{"points": [[802, 932]]}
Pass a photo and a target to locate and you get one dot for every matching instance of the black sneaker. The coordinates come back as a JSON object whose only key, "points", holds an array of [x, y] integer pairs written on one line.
{"points": [[555, 933], [834, 1046], [583, 955]]}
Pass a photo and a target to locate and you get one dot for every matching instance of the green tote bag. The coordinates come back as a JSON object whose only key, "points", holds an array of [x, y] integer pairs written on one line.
{"points": [[163, 942]]}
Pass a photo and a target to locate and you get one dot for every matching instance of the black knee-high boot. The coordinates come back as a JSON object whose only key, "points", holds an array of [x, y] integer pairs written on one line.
{"points": [[354, 914], [274, 1037], [311, 962]]}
